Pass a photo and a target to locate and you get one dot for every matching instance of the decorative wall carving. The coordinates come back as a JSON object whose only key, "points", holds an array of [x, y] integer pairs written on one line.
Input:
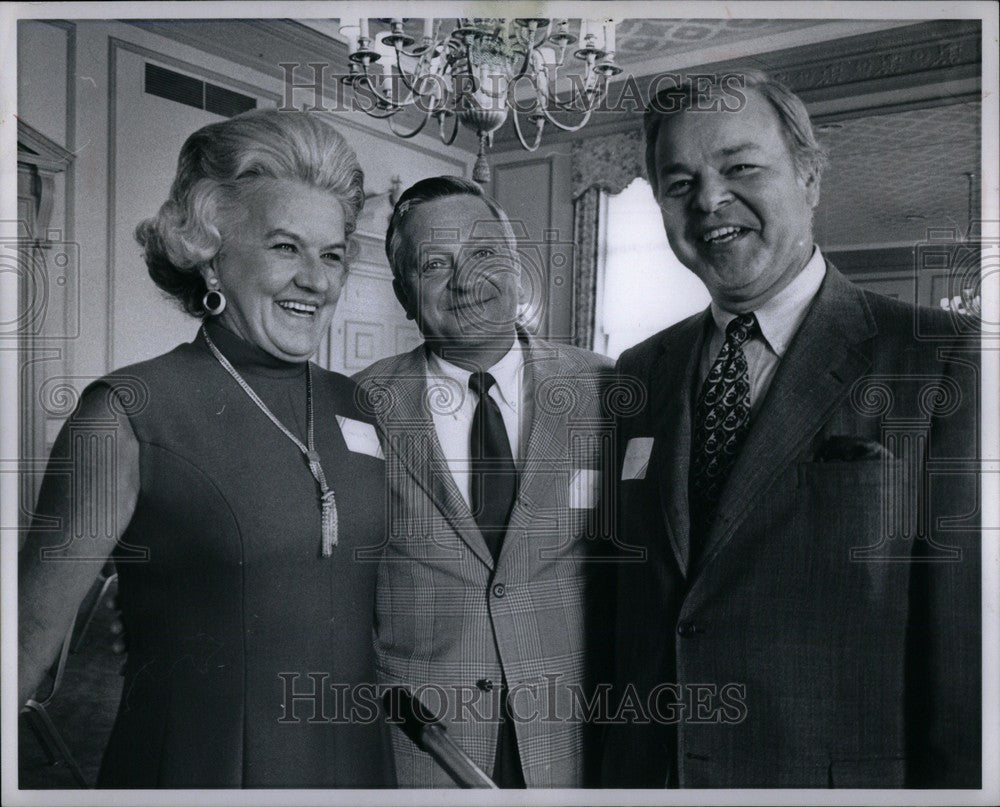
{"points": [[39, 159], [938, 54]]}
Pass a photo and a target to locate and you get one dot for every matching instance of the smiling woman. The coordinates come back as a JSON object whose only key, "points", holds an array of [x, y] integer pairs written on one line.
{"points": [[242, 483], [281, 267]]}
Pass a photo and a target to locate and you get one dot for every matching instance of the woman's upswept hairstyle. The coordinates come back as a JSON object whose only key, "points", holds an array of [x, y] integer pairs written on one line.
{"points": [[220, 161]]}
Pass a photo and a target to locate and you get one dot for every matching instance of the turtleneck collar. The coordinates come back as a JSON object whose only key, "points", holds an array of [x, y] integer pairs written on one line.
{"points": [[247, 357]]}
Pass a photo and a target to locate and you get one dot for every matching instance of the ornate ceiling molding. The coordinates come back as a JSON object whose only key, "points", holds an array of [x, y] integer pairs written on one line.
{"points": [[945, 50]]}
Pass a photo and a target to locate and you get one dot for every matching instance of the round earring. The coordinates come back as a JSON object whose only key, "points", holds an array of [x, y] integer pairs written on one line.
{"points": [[214, 301]]}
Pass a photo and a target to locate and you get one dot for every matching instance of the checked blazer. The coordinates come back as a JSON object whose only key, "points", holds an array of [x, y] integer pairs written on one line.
{"points": [[837, 592], [451, 624]]}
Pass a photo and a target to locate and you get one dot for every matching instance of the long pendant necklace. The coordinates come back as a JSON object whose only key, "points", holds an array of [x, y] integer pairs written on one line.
{"points": [[327, 500]]}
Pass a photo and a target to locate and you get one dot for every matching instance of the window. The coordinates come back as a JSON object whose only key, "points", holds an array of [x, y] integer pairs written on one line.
{"points": [[641, 287]]}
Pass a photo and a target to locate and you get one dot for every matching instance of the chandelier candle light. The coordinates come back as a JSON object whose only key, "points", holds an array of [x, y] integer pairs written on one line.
{"points": [[476, 71]]}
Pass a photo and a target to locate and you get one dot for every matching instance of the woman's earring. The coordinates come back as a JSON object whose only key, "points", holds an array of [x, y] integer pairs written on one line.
{"points": [[214, 301]]}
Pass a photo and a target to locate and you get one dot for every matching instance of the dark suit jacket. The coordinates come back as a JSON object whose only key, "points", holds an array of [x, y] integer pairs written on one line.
{"points": [[829, 632]]}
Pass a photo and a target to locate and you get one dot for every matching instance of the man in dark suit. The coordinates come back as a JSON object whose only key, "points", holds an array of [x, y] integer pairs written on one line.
{"points": [[803, 484], [493, 453]]}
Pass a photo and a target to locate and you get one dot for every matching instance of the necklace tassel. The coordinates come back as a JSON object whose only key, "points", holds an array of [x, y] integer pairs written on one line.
{"points": [[329, 522]]}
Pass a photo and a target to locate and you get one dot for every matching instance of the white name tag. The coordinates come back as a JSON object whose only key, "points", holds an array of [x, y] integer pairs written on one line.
{"points": [[584, 489], [360, 437], [637, 458]]}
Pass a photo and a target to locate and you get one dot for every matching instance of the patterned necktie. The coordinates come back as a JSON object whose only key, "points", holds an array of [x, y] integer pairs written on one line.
{"points": [[494, 475], [721, 421]]}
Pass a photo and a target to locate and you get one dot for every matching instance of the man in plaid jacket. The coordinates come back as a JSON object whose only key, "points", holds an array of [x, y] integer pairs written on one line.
{"points": [[487, 606]]}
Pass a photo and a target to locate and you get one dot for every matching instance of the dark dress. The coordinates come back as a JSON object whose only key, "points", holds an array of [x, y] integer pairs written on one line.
{"points": [[228, 605]]}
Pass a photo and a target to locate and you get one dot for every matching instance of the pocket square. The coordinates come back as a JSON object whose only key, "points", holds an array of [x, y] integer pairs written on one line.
{"points": [[845, 448], [360, 437], [637, 458]]}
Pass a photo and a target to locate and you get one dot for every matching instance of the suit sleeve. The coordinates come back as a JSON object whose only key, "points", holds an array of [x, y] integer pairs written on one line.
{"points": [[944, 686]]}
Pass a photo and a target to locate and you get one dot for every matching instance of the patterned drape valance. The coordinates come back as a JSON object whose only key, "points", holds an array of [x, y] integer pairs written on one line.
{"points": [[609, 162]]}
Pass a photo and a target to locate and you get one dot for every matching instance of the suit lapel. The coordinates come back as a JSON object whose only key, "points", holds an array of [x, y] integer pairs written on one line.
{"points": [[411, 429], [671, 380], [545, 456], [826, 356]]}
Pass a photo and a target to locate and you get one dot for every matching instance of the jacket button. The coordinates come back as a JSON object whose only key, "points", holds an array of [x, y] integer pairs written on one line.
{"points": [[499, 590], [485, 684], [688, 629]]}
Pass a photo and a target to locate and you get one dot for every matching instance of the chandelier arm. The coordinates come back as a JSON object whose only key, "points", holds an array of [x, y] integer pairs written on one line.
{"points": [[524, 66], [454, 131], [385, 99], [417, 129], [520, 135], [468, 62], [402, 73], [567, 106], [382, 115], [563, 106], [424, 61], [410, 99], [568, 127], [418, 54], [372, 113], [426, 55], [395, 106]]}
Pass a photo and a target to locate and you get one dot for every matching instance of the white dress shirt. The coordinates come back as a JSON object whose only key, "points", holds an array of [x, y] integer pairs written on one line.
{"points": [[779, 319], [453, 404]]}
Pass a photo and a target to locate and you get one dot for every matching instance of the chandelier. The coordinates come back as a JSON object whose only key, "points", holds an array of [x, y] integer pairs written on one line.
{"points": [[478, 72]]}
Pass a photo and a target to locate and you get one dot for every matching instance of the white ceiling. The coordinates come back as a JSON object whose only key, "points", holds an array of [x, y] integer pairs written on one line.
{"points": [[892, 177]]}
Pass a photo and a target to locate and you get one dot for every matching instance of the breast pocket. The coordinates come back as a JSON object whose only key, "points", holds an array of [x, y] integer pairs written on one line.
{"points": [[870, 504]]}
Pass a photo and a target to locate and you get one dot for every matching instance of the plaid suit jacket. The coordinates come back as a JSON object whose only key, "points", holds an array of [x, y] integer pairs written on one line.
{"points": [[451, 623]]}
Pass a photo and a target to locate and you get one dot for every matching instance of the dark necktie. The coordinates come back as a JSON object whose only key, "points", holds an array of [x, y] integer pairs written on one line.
{"points": [[494, 475], [494, 486], [721, 422]]}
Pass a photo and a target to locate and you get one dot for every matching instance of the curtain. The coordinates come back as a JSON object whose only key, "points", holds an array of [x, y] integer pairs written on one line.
{"points": [[587, 237], [600, 165]]}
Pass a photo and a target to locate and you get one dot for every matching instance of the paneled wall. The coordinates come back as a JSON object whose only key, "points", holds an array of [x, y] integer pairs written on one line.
{"points": [[534, 189]]}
